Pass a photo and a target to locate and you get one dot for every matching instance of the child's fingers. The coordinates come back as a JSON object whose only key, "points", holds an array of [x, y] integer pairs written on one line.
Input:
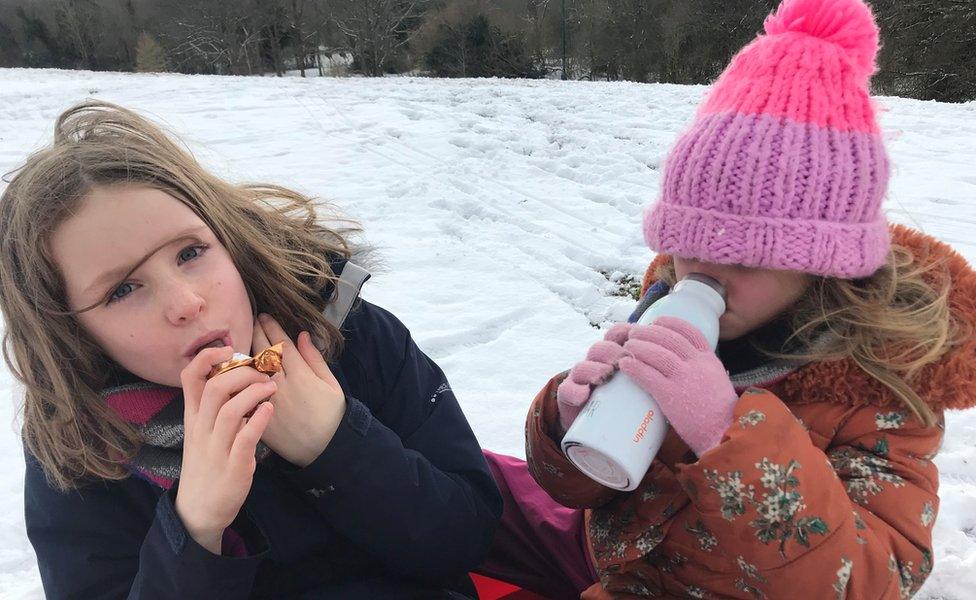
{"points": [[646, 376], [571, 397], [259, 341], [290, 357], [692, 337], [605, 352], [589, 372], [666, 337], [313, 358], [250, 434], [223, 388], [618, 333], [654, 355], [231, 414], [194, 376]]}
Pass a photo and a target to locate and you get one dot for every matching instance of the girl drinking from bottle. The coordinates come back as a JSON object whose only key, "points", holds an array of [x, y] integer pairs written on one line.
{"points": [[128, 272], [799, 459]]}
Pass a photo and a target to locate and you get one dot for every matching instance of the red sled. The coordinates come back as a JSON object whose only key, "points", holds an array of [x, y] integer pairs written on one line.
{"points": [[492, 589]]}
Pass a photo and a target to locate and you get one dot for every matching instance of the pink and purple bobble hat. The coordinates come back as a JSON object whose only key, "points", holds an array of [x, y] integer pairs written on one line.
{"points": [[783, 166]]}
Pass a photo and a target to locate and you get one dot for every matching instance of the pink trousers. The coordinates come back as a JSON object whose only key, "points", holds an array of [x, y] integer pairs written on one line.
{"points": [[540, 545]]}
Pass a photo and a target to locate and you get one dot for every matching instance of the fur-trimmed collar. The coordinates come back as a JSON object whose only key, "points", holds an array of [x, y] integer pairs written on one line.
{"points": [[946, 384]]}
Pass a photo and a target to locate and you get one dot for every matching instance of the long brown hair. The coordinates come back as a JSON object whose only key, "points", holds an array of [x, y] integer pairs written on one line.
{"points": [[891, 324], [273, 235]]}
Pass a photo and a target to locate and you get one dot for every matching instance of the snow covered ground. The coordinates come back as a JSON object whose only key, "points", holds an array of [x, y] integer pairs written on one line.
{"points": [[506, 213]]}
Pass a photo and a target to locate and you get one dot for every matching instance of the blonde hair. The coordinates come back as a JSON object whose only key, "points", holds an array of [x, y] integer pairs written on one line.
{"points": [[272, 234], [891, 324]]}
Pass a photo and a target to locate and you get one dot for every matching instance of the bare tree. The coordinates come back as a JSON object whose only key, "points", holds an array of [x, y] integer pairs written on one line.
{"points": [[304, 35], [927, 49], [201, 46], [80, 29], [539, 20], [445, 28], [377, 29], [216, 37]]}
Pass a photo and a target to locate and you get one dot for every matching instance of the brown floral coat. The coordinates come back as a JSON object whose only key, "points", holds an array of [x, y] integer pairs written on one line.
{"points": [[823, 487]]}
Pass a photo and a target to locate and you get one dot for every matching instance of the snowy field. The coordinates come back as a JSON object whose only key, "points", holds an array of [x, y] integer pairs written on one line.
{"points": [[507, 215]]}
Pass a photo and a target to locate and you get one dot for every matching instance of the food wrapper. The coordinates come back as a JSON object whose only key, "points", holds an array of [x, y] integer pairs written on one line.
{"points": [[268, 361]]}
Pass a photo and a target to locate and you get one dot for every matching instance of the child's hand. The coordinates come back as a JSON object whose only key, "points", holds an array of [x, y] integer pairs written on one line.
{"points": [[600, 363], [309, 403], [672, 361], [219, 443]]}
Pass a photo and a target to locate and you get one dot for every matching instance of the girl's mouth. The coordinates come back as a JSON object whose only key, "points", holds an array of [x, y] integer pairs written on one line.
{"points": [[214, 339]]}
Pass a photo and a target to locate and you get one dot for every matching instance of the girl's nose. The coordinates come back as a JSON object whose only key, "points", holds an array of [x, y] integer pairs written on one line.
{"points": [[183, 304]]}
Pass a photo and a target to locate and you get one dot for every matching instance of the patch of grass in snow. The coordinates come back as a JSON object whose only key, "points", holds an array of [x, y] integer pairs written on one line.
{"points": [[624, 284]]}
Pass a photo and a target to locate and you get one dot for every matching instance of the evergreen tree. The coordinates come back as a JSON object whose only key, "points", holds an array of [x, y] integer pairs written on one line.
{"points": [[150, 57]]}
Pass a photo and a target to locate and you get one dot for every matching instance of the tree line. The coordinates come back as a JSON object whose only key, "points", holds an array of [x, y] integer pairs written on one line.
{"points": [[928, 51]]}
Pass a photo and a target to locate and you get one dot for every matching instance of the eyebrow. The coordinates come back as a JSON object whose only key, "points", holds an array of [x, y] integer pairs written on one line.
{"points": [[119, 273]]}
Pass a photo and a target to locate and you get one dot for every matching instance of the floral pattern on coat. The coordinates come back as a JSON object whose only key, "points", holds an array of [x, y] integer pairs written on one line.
{"points": [[800, 503]]}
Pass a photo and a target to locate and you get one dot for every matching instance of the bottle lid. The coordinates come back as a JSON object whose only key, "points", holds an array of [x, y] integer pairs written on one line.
{"points": [[709, 281]]}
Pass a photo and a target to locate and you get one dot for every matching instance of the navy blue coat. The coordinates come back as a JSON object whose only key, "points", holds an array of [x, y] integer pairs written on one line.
{"points": [[400, 505]]}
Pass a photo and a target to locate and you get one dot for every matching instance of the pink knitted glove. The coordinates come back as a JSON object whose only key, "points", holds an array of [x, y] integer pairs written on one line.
{"points": [[600, 363], [671, 360]]}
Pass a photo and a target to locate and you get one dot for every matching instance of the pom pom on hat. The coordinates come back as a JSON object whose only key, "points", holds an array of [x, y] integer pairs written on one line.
{"points": [[847, 23]]}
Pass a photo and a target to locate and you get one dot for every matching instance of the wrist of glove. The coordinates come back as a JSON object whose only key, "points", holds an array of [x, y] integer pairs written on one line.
{"points": [[670, 360]]}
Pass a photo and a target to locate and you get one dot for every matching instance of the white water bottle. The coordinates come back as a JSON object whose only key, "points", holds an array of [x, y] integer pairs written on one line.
{"points": [[619, 431]]}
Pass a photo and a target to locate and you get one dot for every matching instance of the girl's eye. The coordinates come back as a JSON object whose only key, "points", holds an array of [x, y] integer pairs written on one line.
{"points": [[120, 293], [191, 252]]}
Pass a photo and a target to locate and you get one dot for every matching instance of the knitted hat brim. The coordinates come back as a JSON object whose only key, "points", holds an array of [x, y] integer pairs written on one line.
{"points": [[845, 250]]}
